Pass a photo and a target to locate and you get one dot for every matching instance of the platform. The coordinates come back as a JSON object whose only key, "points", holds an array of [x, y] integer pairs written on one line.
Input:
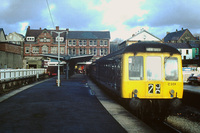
{"points": [[74, 107]]}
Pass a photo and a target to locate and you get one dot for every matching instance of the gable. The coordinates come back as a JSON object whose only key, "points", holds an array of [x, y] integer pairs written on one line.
{"points": [[144, 36], [182, 35]]}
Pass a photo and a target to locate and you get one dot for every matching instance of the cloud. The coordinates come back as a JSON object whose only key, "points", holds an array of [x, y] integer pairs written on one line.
{"points": [[168, 13]]}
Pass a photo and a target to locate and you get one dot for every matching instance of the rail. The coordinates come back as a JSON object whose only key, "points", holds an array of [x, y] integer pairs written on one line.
{"points": [[14, 74]]}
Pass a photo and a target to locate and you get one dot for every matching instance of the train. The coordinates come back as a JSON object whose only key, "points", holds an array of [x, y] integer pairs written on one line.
{"points": [[147, 75]]}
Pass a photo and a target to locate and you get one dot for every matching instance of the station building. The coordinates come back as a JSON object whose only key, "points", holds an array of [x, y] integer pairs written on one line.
{"points": [[72, 43]]}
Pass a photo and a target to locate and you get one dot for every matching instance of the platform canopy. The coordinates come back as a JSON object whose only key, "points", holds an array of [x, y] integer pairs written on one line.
{"points": [[67, 58]]}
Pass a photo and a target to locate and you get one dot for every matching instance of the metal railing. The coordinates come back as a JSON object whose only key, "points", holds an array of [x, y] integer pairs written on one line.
{"points": [[13, 74]]}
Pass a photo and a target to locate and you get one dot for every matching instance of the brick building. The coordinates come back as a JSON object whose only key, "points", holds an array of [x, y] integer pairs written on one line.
{"points": [[73, 43], [10, 54]]}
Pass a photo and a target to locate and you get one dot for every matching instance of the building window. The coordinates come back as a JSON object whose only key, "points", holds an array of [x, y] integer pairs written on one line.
{"points": [[54, 50], [187, 51], [84, 42], [80, 43], [74, 51], [91, 43], [27, 49], [31, 39], [80, 51], [84, 51], [103, 51], [95, 43], [101, 43], [44, 49], [105, 43], [69, 42], [69, 51], [74, 42], [93, 51], [196, 50], [35, 50], [62, 50], [42, 40]]}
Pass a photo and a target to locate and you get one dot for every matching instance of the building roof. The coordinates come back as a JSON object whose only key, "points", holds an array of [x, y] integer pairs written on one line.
{"points": [[71, 34], [174, 36], [145, 37], [36, 33], [180, 45], [88, 35]]}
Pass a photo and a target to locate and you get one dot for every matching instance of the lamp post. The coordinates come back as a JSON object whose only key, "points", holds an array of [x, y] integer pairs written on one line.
{"points": [[58, 56]]}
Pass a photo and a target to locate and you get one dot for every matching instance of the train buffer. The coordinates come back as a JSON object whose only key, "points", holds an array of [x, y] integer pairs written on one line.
{"points": [[73, 107]]}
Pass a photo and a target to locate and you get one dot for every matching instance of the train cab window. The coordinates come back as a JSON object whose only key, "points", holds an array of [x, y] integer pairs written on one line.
{"points": [[171, 68], [135, 67], [153, 67]]}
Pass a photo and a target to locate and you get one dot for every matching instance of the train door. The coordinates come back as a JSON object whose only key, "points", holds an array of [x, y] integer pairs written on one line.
{"points": [[154, 76]]}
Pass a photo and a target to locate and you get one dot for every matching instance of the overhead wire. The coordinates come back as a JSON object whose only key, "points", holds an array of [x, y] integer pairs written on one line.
{"points": [[50, 13]]}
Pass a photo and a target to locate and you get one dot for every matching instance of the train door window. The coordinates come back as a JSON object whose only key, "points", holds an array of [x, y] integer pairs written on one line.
{"points": [[135, 68], [171, 69], [153, 67]]}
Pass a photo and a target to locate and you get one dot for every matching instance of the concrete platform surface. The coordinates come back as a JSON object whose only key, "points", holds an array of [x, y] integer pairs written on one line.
{"points": [[45, 108]]}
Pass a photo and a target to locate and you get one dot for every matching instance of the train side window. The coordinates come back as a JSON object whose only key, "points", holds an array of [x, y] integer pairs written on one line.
{"points": [[171, 68], [135, 67]]}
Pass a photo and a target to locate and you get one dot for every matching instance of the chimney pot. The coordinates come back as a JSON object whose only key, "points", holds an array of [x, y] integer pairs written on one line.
{"points": [[57, 27]]}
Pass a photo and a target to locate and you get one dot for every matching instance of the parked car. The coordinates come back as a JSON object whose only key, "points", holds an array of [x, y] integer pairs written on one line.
{"points": [[194, 79]]}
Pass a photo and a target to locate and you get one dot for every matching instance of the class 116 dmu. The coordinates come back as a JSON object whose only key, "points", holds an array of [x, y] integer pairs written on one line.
{"points": [[148, 75]]}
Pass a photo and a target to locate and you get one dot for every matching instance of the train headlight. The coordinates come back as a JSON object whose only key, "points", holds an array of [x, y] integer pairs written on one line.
{"points": [[172, 93], [135, 93]]}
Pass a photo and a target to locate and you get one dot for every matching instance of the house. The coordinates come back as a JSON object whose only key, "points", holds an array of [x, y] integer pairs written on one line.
{"points": [[184, 48], [182, 36], [10, 54], [2, 35], [143, 35], [72, 43]]}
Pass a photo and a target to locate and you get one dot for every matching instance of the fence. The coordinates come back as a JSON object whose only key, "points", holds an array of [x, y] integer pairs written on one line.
{"points": [[14, 74]]}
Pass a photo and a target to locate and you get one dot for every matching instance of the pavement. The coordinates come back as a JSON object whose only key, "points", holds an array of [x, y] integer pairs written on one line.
{"points": [[45, 108]]}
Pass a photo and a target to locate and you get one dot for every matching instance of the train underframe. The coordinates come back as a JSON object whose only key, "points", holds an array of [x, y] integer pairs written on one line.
{"points": [[154, 108]]}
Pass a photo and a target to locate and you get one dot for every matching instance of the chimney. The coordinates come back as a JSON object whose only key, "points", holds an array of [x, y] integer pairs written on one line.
{"points": [[57, 27], [133, 35], [176, 30], [168, 32], [182, 29], [29, 27], [40, 28]]}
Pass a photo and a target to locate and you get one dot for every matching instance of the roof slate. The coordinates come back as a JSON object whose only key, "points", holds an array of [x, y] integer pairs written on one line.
{"points": [[174, 36], [180, 45], [72, 34], [88, 35]]}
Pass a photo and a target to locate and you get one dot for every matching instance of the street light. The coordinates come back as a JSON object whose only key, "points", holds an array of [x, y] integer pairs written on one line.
{"points": [[58, 55]]}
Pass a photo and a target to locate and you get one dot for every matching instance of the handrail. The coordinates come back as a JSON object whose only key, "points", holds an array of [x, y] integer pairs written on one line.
{"points": [[13, 74]]}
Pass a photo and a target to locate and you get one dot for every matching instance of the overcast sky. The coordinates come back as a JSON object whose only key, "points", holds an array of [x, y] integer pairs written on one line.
{"points": [[121, 17]]}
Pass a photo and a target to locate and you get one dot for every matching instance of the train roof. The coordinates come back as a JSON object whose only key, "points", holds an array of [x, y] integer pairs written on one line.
{"points": [[145, 47], [151, 47]]}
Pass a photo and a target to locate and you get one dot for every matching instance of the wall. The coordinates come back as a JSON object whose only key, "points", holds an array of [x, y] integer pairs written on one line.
{"points": [[10, 60]]}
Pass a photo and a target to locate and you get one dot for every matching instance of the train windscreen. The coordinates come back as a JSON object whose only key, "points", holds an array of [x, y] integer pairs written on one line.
{"points": [[171, 68], [153, 68]]}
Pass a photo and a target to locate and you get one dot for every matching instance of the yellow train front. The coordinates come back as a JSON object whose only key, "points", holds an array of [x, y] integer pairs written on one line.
{"points": [[147, 74]]}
